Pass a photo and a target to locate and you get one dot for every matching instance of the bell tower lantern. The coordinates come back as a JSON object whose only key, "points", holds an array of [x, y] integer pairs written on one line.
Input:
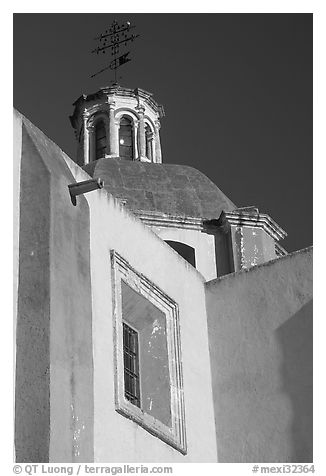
{"points": [[117, 122]]}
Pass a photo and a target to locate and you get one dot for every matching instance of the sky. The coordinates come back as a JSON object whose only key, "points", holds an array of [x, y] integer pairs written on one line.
{"points": [[236, 89]]}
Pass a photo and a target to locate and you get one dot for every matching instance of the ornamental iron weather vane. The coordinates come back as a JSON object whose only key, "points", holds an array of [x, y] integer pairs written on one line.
{"points": [[114, 38]]}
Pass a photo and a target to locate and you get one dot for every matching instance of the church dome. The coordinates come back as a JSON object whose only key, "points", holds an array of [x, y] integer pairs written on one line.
{"points": [[177, 190]]}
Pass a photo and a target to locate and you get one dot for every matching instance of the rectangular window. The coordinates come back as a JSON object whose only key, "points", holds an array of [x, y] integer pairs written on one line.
{"points": [[131, 364], [148, 366]]}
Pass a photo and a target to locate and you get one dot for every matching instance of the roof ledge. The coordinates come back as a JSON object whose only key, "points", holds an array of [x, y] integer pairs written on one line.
{"points": [[248, 216]]}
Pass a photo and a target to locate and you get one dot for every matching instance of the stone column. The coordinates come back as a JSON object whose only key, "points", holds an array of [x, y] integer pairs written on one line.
{"points": [[141, 133], [135, 141], [86, 159], [91, 143], [157, 153], [113, 138]]}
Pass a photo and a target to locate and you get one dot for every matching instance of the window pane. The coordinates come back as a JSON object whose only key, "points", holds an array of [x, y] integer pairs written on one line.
{"points": [[125, 138], [100, 140], [101, 143]]}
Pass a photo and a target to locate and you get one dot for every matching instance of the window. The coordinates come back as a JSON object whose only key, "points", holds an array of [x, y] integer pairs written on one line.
{"points": [[147, 386], [126, 149], [187, 252], [148, 376], [131, 364], [100, 140]]}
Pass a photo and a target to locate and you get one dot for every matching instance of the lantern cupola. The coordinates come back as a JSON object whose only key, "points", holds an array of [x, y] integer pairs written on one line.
{"points": [[117, 122]]}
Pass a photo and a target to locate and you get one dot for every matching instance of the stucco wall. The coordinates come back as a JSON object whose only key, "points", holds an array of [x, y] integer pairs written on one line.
{"points": [[65, 341], [32, 386], [115, 437], [54, 396], [202, 243], [251, 247], [260, 329], [17, 146]]}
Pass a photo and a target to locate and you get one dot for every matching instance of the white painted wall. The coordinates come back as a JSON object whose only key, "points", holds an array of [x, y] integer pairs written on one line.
{"points": [[116, 438], [251, 246], [202, 243]]}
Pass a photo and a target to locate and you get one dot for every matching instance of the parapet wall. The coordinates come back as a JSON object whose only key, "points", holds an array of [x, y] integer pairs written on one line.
{"points": [[260, 331]]}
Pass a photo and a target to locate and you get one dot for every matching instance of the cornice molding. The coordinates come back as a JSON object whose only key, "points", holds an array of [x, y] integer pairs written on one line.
{"points": [[279, 250], [170, 221], [256, 220], [234, 218], [111, 92]]}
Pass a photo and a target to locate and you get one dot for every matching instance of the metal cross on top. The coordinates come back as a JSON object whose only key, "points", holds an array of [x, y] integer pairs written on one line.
{"points": [[114, 38]]}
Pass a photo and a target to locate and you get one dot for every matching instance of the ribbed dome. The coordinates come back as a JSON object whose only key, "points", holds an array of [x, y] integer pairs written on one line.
{"points": [[171, 189]]}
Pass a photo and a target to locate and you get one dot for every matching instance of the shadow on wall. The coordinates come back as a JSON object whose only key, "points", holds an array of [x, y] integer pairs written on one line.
{"points": [[187, 252], [295, 337], [53, 330], [32, 387]]}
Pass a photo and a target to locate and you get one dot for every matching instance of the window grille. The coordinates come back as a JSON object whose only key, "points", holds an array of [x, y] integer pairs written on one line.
{"points": [[131, 364]]}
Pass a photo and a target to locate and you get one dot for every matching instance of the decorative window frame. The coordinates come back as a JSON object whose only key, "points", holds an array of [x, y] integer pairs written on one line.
{"points": [[91, 125], [175, 435], [131, 120], [129, 114]]}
